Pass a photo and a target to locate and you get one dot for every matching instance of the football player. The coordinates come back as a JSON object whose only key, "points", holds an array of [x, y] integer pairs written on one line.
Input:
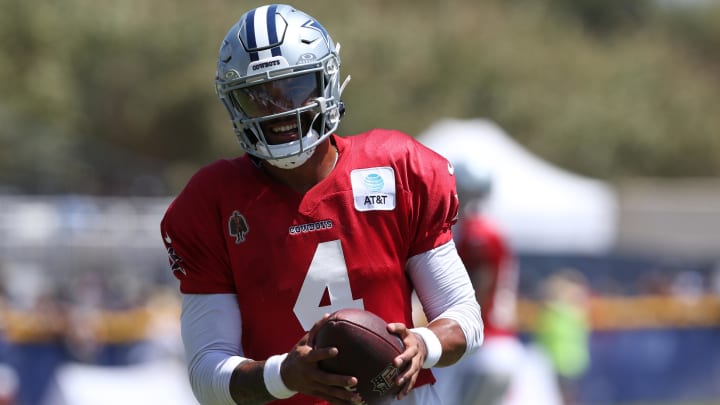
{"points": [[306, 222], [486, 377]]}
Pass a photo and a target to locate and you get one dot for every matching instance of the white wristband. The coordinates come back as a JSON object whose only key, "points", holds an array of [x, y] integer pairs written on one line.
{"points": [[432, 343], [273, 380]]}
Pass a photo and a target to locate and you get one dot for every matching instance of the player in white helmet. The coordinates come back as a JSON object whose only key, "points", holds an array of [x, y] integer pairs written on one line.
{"points": [[306, 223]]}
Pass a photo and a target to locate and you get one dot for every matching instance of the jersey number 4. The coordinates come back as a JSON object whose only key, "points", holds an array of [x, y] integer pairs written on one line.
{"points": [[327, 272]]}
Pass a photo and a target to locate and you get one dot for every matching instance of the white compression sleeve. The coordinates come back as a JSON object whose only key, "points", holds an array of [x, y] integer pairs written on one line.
{"points": [[210, 326], [445, 291]]}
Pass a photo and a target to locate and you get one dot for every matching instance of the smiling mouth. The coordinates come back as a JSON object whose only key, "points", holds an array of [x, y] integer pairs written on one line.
{"points": [[285, 128], [281, 133]]}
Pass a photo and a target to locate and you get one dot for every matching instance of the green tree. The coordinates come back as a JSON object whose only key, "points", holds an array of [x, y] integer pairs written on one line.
{"points": [[117, 97]]}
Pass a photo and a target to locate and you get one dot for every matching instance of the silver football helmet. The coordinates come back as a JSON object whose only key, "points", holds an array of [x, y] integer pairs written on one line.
{"points": [[278, 75], [473, 182]]}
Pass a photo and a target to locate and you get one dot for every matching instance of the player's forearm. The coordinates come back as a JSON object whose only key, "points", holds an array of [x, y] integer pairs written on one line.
{"points": [[452, 340], [445, 291], [247, 385]]}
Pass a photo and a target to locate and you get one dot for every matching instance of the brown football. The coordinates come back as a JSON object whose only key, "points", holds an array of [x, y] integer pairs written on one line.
{"points": [[365, 350]]}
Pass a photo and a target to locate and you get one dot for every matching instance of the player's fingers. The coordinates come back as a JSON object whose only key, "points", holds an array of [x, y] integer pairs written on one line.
{"points": [[345, 382], [313, 331], [402, 331], [407, 378], [410, 362], [325, 378], [411, 351], [398, 329], [321, 353], [410, 372], [304, 340], [342, 394], [407, 387]]}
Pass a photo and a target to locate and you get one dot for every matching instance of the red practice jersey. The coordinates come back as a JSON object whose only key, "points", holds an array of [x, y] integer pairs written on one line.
{"points": [[493, 271], [290, 257]]}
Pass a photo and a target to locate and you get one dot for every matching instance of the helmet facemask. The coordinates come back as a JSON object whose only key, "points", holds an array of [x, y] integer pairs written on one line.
{"points": [[282, 118]]}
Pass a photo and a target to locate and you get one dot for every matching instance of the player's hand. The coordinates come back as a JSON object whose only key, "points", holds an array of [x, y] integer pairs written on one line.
{"points": [[410, 361], [300, 372]]}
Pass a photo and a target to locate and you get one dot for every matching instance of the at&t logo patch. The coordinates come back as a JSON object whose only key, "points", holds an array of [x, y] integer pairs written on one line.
{"points": [[373, 189]]}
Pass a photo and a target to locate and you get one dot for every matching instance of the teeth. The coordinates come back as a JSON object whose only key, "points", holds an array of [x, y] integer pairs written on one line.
{"points": [[285, 128]]}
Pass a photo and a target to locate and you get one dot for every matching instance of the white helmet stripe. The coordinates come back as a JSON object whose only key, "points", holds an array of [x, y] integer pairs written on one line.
{"points": [[261, 32], [261, 35]]}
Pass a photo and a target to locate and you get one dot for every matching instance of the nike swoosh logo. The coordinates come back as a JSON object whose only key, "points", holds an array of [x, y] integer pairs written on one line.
{"points": [[167, 239]]}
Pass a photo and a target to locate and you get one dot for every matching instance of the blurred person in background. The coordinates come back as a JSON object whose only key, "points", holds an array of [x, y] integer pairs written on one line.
{"points": [[562, 329], [35, 325], [9, 385], [305, 223], [485, 377], [3, 320]]}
